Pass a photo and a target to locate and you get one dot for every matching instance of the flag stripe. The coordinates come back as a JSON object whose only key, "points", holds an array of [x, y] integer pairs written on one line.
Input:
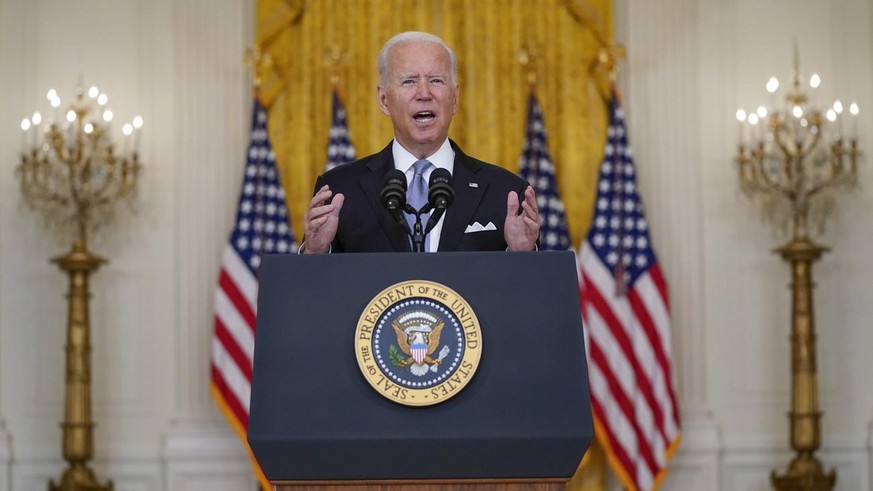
{"points": [[234, 296], [239, 357], [229, 388], [651, 367], [618, 459], [239, 413], [241, 276], [633, 352], [234, 379], [616, 414], [661, 284], [653, 303], [242, 333], [653, 299], [625, 431], [615, 361], [623, 392], [602, 410], [662, 321]]}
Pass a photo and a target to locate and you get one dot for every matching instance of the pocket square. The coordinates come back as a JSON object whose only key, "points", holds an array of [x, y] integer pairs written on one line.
{"points": [[478, 227]]}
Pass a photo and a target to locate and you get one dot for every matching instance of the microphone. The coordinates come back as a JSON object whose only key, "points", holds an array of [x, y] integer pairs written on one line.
{"points": [[440, 192], [393, 195], [440, 195]]}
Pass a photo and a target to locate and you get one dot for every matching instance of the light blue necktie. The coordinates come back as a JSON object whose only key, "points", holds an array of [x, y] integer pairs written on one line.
{"points": [[417, 196]]}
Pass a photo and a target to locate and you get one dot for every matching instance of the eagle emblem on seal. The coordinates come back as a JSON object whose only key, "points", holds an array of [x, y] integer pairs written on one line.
{"points": [[418, 336]]}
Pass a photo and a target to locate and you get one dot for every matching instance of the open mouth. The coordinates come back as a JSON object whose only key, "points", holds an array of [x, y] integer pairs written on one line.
{"points": [[424, 116]]}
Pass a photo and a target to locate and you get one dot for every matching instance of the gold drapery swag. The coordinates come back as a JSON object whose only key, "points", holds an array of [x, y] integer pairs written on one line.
{"points": [[293, 37]]}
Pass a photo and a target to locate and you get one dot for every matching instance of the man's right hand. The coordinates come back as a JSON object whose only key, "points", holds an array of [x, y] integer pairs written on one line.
{"points": [[320, 221]]}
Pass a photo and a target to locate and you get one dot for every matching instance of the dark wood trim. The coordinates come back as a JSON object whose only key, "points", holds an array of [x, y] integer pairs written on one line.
{"points": [[426, 485]]}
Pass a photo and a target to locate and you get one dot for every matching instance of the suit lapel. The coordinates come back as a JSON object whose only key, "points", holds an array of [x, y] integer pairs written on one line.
{"points": [[467, 199], [371, 183]]}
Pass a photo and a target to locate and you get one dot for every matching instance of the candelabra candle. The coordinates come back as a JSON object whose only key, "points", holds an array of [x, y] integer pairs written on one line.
{"points": [[741, 118], [25, 128], [853, 110]]}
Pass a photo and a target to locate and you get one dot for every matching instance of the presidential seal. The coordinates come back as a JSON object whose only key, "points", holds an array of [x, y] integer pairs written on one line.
{"points": [[418, 343]]}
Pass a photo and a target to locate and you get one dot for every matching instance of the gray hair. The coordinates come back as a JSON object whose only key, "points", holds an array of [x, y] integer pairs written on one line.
{"points": [[413, 37]]}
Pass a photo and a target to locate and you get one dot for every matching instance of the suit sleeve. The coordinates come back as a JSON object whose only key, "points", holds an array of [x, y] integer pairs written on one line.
{"points": [[319, 183], [523, 185]]}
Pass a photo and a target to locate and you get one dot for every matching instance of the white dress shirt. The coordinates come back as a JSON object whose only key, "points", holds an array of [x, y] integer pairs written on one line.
{"points": [[443, 158]]}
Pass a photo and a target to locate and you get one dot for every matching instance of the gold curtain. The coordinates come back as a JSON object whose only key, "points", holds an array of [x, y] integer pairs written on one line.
{"points": [[294, 36]]}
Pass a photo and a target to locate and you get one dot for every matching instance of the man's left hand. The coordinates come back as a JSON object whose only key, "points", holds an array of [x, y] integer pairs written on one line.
{"points": [[522, 231]]}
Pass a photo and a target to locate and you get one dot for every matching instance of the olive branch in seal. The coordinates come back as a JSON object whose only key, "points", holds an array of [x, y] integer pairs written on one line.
{"points": [[395, 356]]}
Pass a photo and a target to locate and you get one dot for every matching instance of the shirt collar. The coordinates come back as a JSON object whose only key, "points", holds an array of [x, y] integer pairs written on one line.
{"points": [[443, 158]]}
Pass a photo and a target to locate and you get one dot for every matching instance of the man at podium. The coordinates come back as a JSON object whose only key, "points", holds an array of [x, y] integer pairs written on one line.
{"points": [[466, 390], [483, 208]]}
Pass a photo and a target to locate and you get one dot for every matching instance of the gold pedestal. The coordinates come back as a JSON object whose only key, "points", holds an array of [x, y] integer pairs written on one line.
{"points": [[805, 472], [78, 427]]}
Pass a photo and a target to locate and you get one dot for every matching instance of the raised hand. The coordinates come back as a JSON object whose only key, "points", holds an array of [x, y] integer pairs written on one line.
{"points": [[522, 231], [320, 221]]}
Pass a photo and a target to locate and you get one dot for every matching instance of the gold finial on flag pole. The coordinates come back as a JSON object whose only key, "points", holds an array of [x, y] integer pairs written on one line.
{"points": [[252, 60], [258, 63], [608, 56], [530, 57], [334, 59]]}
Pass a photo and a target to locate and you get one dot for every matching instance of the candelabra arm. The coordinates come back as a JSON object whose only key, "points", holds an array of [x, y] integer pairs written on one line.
{"points": [[812, 144], [839, 153], [33, 185], [779, 139], [102, 193], [838, 172], [853, 152], [768, 184], [73, 182], [34, 194], [814, 190]]}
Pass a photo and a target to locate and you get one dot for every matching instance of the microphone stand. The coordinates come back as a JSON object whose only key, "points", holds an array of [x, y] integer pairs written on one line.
{"points": [[417, 235]]}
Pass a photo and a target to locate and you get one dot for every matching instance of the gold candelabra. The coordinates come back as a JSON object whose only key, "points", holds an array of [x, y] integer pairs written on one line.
{"points": [[794, 159], [71, 171]]}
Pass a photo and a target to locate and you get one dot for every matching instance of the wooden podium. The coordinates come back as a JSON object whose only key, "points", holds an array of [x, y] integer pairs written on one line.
{"points": [[522, 422]]}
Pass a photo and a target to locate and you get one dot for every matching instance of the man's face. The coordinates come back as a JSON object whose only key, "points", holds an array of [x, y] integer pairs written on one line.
{"points": [[419, 96]]}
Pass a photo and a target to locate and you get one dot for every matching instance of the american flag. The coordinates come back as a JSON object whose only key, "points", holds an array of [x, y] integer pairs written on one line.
{"points": [[261, 227], [627, 314], [339, 145], [537, 168]]}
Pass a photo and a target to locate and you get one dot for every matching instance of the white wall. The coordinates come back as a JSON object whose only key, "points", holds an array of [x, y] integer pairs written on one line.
{"points": [[179, 64], [691, 64]]}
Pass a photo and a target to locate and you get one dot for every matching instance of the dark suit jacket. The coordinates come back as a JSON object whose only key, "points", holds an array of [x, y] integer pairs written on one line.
{"points": [[366, 226]]}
